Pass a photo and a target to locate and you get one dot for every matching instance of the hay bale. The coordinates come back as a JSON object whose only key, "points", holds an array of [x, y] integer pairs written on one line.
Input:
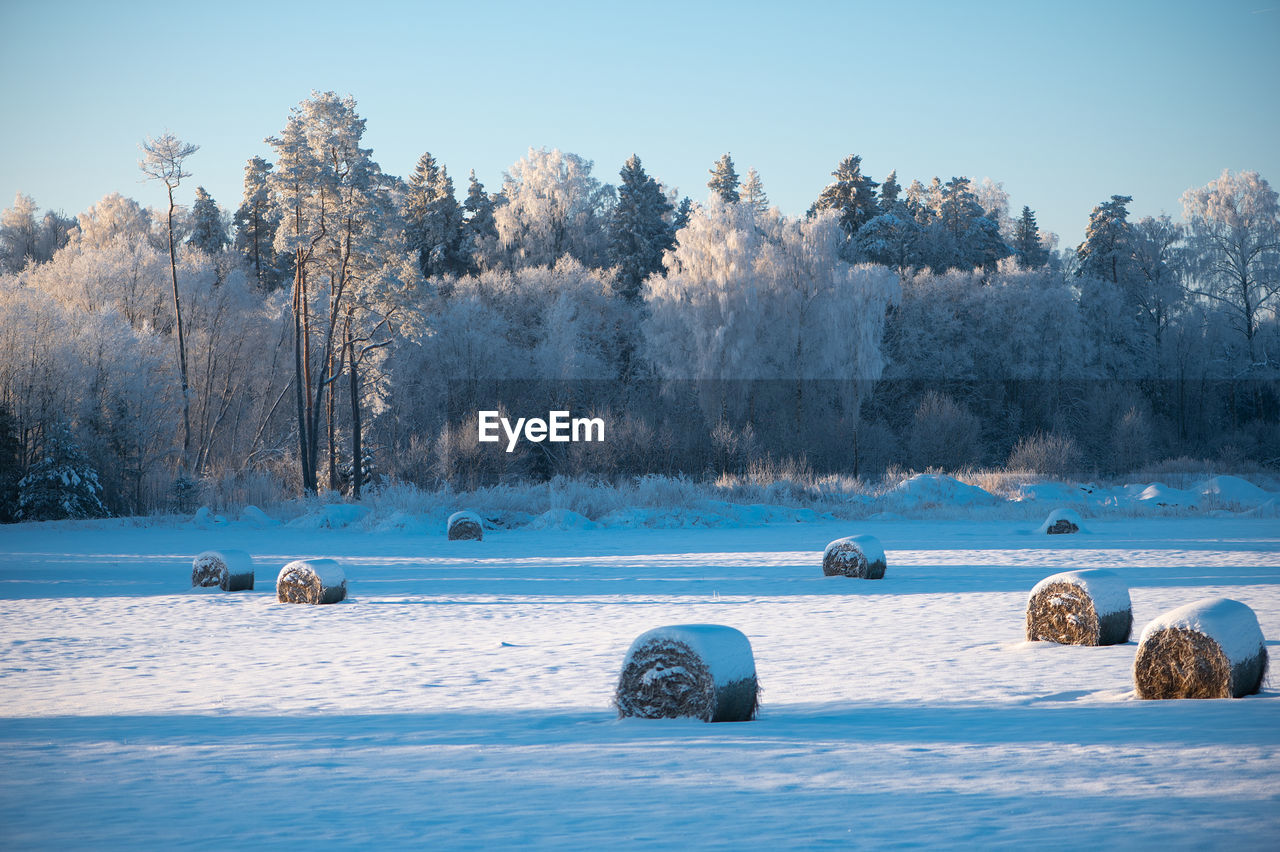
{"points": [[700, 671], [855, 556], [229, 570], [1088, 607], [1061, 522], [311, 581], [1212, 648], [465, 526]]}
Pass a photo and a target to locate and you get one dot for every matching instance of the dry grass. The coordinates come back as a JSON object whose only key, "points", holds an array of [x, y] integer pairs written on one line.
{"points": [[665, 679], [1064, 613], [1177, 662], [298, 583], [846, 559]]}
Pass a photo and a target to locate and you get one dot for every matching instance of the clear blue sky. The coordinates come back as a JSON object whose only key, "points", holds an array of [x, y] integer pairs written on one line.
{"points": [[1064, 102]]}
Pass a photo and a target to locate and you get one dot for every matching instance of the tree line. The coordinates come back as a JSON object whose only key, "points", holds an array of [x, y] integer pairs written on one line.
{"points": [[341, 326]]}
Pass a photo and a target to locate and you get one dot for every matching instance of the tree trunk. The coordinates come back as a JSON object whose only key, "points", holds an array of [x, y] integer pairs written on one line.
{"points": [[182, 342], [357, 463], [331, 428], [300, 374]]}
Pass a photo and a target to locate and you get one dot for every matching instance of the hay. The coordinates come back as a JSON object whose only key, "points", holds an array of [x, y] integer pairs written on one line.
{"points": [[311, 581], [229, 570], [1080, 608], [859, 556], [1061, 522], [1208, 649], [698, 671], [465, 526]]}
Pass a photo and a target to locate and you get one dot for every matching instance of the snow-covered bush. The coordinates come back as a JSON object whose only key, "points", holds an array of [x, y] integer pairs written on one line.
{"points": [[62, 484]]}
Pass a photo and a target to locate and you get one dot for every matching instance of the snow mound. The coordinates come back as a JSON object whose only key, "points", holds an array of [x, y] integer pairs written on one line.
{"points": [[1052, 492], [205, 519], [333, 516], [257, 518], [1234, 491], [1161, 495], [1230, 623], [927, 489], [1056, 517], [561, 519]]}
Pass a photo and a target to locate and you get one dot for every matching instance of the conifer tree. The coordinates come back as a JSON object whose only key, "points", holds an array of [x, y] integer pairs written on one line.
{"points": [[61, 484], [256, 222], [433, 219], [753, 192], [681, 217], [1026, 241], [639, 228], [1105, 250], [889, 192], [208, 233], [480, 227], [724, 180], [852, 195]]}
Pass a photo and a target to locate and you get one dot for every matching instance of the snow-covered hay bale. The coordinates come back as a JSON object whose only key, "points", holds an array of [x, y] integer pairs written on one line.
{"points": [[700, 671], [229, 570], [1061, 522], [464, 526], [311, 581], [1088, 607], [1212, 648], [855, 556]]}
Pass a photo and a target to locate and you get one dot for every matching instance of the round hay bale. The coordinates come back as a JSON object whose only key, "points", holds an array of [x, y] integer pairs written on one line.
{"points": [[699, 671], [855, 556], [1212, 648], [465, 526], [1061, 522], [1089, 607], [311, 581], [229, 570]]}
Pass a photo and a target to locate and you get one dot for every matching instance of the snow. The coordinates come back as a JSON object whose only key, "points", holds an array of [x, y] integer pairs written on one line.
{"points": [[1232, 491], [926, 489], [464, 515], [1159, 494], [1105, 588], [461, 699], [1228, 622], [1067, 515], [328, 571], [725, 651], [238, 562]]}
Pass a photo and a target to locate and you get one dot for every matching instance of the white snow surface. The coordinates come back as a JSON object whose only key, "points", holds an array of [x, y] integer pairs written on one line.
{"points": [[724, 650], [464, 515], [870, 546], [1230, 623], [328, 571], [1106, 589], [461, 698]]}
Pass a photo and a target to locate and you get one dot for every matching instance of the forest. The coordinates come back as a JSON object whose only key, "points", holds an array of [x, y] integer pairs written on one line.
{"points": [[340, 327]]}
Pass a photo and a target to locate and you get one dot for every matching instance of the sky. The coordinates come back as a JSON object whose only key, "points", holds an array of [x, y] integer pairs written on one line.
{"points": [[1065, 103]]}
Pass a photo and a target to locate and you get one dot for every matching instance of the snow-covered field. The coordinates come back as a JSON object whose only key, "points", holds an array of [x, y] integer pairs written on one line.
{"points": [[461, 696]]}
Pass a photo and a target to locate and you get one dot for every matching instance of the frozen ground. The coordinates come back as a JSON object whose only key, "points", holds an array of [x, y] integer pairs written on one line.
{"points": [[461, 697]]}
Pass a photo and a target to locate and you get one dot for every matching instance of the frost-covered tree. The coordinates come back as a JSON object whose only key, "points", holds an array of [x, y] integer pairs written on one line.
{"points": [[681, 217], [163, 161], [1106, 250], [114, 216], [1158, 264], [479, 228], [753, 192], [60, 484], [19, 233], [255, 223], [433, 219], [890, 239], [724, 180], [1027, 247], [208, 230], [10, 466], [889, 192], [852, 195], [1234, 234], [553, 207], [639, 228]]}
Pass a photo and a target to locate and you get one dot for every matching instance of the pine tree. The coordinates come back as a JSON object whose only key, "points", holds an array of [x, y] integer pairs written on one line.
{"points": [[480, 227], [10, 467], [852, 195], [753, 192], [681, 217], [639, 228], [256, 223], [61, 484], [724, 180], [208, 233], [1105, 250], [889, 191], [433, 219], [1026, 241]]}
